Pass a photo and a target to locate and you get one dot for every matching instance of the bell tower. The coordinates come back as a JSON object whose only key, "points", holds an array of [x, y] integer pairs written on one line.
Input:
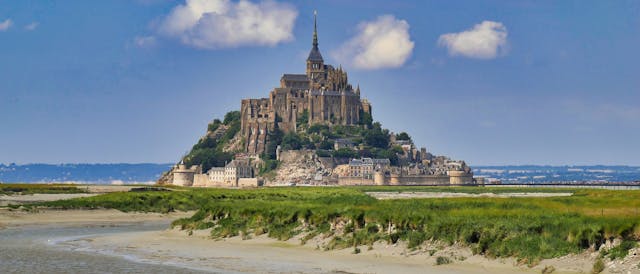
{"points": [[315, 63]]}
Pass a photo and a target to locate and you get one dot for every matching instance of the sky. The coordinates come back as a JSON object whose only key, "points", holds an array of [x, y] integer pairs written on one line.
{"points": [[488, 82]]}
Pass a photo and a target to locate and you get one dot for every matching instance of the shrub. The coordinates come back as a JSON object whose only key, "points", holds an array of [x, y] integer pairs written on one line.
{"points": [[269, 165], [598, 266], [317, 128], [442, 260], [621, 251], [345, 153]]}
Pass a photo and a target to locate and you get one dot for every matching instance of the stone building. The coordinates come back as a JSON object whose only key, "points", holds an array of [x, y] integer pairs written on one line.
{"points": [[230, 173], [366, 167], [323, 94]]}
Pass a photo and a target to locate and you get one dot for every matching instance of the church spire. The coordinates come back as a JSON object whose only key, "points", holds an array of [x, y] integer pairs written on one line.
{"points": [[315, 29], [315, 55]]}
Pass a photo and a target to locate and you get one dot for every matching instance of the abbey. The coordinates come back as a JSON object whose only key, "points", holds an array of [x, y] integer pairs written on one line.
{"points": [[322, 95]]}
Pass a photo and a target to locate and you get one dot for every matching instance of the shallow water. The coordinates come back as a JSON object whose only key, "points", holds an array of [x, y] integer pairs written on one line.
{"points": [[37, 250]]}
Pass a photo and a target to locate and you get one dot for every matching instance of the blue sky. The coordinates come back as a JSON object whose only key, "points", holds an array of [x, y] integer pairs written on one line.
{"points": [[490, 82]]}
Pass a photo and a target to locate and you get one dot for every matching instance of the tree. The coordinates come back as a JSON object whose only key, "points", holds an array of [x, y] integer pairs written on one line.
{"points": [[387, 154], [274, 138], [326, 144], [291, 141], [208, 158], [403, 136], [345, 153], [231, 116], [376, 137], [214, 125], [303, 119], [365, 119], [317, 128]]}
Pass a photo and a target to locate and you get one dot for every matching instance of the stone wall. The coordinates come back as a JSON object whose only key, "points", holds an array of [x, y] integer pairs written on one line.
{"points": [[354, 181], [248, 182], [423, 180]]}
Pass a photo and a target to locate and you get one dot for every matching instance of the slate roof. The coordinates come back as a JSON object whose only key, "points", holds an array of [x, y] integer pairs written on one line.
{"points": [[295, 77], [314, 54]]}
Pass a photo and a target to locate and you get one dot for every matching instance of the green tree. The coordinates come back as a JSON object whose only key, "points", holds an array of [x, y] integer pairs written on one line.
{"points": [[231, 116], [345, 153], [274, 138], [291, 141], [326, 144], [387, 154], [214, 125], [376, 137], [317, 128], [303, 119], [403, 136], [365, 119]]}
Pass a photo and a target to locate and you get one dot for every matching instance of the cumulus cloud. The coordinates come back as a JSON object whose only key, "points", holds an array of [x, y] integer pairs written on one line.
{"points": [[486, 40], [5, 25], [31, 26], [382, 43], [216, 24], [144, 41]]}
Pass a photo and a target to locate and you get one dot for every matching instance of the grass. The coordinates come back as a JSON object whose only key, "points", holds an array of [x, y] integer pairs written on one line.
{"points": [[12, 189], [529, 229]]}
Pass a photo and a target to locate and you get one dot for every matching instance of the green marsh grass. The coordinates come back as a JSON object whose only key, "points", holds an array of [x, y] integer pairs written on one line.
{"points": [[529, 229], [12, 189]]}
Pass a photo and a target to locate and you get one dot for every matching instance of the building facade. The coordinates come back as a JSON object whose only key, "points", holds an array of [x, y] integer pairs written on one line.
{"points": [[366, 167]]}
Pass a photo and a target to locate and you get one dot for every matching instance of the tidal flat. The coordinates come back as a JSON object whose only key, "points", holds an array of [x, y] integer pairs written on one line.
{"points": [[570, 233]]}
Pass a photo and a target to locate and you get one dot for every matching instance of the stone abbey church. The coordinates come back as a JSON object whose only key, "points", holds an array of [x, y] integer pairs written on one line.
{"points": [[323, 93]]}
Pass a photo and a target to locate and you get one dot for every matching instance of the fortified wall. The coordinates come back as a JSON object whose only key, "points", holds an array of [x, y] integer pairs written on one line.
{"points": [[380, 178]]}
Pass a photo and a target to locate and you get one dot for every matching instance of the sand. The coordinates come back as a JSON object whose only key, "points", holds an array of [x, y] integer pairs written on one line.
{"points": [[17, 218], [34, 198], [264, 255]]}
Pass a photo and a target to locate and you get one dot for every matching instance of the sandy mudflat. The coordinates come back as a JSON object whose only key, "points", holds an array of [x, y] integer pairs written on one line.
{"points": [[261, 254], [265, 255], [13, 218], [34, 198], [413, 195]]}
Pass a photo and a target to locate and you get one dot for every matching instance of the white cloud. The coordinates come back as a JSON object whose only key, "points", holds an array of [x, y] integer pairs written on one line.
{"points": [[383, 43], [5, 25], [144, 41], [215, 24], [31, 26], [486, 40]]}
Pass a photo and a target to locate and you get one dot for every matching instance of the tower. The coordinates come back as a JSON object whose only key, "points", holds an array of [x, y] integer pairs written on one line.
{"points": [[315, 63]]}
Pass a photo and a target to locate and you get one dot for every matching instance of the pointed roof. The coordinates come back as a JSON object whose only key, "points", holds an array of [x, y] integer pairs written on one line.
{"points": [[315, 55]]}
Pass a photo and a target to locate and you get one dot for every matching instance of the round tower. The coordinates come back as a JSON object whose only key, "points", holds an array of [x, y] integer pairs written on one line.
{"points": [[183, 176], [459, 177]]}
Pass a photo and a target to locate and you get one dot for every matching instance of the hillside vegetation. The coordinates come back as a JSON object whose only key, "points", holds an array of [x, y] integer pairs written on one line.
{"points": [[526, 228], [213, 150], [209, 151]]}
